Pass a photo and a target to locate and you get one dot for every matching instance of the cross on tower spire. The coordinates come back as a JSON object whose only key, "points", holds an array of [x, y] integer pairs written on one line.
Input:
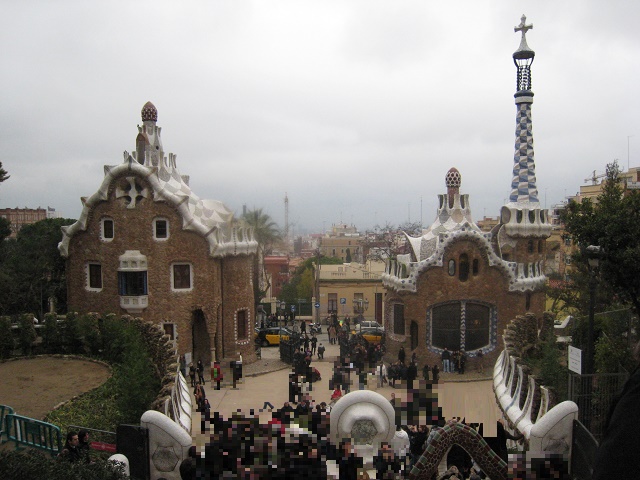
{"points": [[524, 28]]}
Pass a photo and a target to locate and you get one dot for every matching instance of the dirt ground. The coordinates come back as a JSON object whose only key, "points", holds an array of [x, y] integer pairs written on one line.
{"points": [[32, 387]]}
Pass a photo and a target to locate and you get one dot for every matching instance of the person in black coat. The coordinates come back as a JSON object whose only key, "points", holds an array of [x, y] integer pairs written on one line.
{"points": [[617, 455], [499, 443], [401, 355], [348, 463], [435, 371]]}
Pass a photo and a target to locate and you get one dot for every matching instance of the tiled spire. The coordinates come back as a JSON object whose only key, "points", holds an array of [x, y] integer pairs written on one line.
{"points": [[523, 185]]}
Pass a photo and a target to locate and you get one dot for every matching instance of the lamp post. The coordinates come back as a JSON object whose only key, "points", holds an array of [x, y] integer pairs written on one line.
{"points": [[593, 253], [360, 305], [283, 307]]}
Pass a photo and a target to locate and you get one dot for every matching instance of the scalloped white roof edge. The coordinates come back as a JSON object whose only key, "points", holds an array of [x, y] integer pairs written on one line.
{"points": [[223, 238], [516, 282]]}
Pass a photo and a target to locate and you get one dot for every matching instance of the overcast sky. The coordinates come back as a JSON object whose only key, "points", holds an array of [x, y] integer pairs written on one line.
{"points": [[355, 109]]}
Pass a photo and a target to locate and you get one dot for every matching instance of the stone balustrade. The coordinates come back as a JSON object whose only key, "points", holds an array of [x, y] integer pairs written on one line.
{"points": [[527, 407]]}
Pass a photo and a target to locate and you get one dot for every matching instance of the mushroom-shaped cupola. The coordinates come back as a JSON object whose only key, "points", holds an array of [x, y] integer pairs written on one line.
{"points": [[149, 112]]}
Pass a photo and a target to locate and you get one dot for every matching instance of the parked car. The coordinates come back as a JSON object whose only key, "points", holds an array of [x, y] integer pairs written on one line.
{"points": [[372, 335], [366, 324], [271, 335]]}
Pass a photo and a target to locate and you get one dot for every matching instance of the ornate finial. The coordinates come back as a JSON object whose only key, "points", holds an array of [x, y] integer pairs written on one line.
{"points": [[523, 27], [149, 112]]}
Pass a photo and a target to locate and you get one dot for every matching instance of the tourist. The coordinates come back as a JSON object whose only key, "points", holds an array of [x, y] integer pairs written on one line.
{"points": [[331, 331], [321, 350], [216, 374], [381, 374], [617, 455], [349, 463], [314, 343], [70, 450], [462, 361], [192, 374], [292, 387], [499, 443], [84, 447], [183, 366], [200, 370], [239, 365], [205, 408], [386, 464], [425, 372], [401, 355], [446, 360], [480, 362], [305, 342], [417, 439], [435, 371], [400, 444], [412, 374], [335, 396], [303, 327]]}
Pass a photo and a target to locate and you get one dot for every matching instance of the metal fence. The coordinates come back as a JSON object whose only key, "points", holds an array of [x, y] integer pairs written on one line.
{"points": [[583, 452], [594, 393], [289, 347]]}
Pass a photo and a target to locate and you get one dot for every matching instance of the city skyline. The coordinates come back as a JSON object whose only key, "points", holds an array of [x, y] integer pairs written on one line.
{"points": [[355, 110]]}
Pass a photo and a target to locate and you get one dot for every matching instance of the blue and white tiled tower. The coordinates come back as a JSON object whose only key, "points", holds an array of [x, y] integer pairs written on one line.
{"points": [[525, 224]]}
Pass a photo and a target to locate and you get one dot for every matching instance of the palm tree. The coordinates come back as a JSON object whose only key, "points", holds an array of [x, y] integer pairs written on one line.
{"points": [[267, 233]]}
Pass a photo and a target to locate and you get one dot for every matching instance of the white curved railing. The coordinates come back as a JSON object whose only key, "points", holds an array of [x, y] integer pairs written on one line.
{"points": [[552, 428], [178, 406]]}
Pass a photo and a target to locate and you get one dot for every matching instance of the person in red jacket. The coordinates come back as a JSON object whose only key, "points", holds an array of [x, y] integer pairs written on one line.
{"points": [[216, 374]]}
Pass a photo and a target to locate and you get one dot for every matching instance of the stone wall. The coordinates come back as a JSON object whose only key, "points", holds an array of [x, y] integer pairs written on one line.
{"points": [[215, 281], [436, 286]]}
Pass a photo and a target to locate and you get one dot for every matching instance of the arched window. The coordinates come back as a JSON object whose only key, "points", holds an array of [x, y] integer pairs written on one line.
{"points": [[527, 303], [461, 325], [452, 267], [476, 266], [414, 335], [540, 246], [530, 246], [398, 319], [463, 274]]}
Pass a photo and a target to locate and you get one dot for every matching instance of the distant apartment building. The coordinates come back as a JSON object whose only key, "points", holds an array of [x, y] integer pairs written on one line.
{"points": [[352, 289], [343, 242], [488, 223], [630, 180], [276, 269], [20, 217]]}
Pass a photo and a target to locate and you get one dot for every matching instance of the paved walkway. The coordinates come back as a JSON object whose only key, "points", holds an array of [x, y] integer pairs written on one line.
{"points": [[467, 396]]}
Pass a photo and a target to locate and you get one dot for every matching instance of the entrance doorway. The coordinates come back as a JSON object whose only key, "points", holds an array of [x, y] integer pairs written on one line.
{"points": [[414, 335], [201, 340]]}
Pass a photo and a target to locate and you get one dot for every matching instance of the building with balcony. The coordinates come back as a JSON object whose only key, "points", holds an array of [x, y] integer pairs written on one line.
{"points": [[352, 289], [147, 246]]}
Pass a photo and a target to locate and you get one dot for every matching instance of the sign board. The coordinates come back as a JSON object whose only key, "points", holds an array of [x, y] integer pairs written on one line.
{"points": [[103, 447], [575, 360], [343, 301], [293, 308], [317, 305]]}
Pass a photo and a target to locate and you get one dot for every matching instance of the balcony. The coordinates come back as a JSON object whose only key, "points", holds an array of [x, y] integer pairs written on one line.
{"points": [[134, 304]]}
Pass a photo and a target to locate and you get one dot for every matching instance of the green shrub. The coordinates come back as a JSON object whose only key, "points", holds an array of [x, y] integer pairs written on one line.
{"points": [[128, 393], [37, 466], [51, 334], [26, 333], [6, 338]]}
